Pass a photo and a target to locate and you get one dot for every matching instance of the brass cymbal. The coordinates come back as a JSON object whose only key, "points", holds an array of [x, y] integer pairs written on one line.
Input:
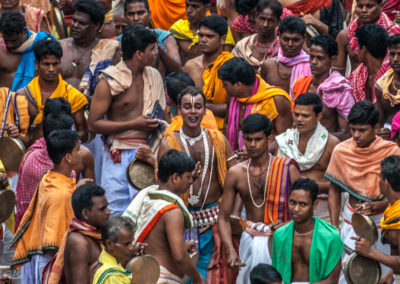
{"points": [[12, 151], [140, 174], [361, 270], [145, 269]]}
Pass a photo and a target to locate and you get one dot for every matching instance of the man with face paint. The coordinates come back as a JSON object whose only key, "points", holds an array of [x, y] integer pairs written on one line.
{"points": [[292, 61], [264, 44], [185, 31], [334, 89], [204, 68], [369, 12], [17, 59], [355, 167], [77, 65], [212, 153]]}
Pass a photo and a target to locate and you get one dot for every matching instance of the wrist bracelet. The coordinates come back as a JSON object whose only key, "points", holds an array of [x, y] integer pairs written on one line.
{"points": [[234, 217]]}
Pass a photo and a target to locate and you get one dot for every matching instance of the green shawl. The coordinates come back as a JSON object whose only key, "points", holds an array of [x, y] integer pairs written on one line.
{"points": [[325, 252]]}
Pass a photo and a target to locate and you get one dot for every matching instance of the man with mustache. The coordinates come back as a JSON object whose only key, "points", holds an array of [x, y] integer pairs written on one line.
{"points": [[387, 88], [204, 68], [333, 89], [17, 59], [292, 61]]}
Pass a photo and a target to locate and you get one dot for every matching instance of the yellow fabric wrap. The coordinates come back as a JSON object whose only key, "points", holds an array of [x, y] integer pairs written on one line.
{"points": [[111, 272], [181, 30], [22, 110], [391, 213], [263, 100], [76, 99], [213, 88]]}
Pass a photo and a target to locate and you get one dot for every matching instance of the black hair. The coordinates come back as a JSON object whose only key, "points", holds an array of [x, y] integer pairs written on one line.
{"points": [[56, 121], [308, 99], [134, 38], [174, 162], [82, 198], [292, 24], [111, 229], [378, 1], [193, 91], [327, 42], [394, 40], [257, 122], [374, 38], [145, 2], [215, 23], [363, 112], [236, 70], [264, 273], [204, 2], [47, 47], [390, 169], [175, 82], [274, 5], [56, 106], [59, 143], [308, 185], [93, 9], [243, 7], [12, 23]]}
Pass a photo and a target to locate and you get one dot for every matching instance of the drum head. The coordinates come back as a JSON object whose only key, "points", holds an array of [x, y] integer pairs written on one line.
{"points": [[140, 174], [12, 151], [7, 203], [145, 269], [364, 227], [59, 22], [361, 270]]}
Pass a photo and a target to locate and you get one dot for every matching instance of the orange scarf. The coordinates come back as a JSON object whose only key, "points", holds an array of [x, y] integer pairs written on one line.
{"points": [[357, 170], [46, 220], [213, 88], [164, 13]]}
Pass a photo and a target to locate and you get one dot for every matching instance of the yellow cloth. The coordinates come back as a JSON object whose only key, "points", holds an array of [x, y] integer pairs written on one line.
{"points": [[181, 30], [109, 16], [263, 100], [384, 84], [218, 141], [21, 111], [46, 220], [208, 122], [392, 212], [213, 88], [111, 272], [64, 90]]}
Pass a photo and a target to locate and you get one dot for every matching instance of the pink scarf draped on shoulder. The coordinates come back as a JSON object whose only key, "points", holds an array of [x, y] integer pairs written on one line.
{"points": [[300, 64]]}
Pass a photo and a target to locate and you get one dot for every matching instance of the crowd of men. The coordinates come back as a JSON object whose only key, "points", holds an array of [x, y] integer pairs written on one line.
{"points": [[268, 123]]}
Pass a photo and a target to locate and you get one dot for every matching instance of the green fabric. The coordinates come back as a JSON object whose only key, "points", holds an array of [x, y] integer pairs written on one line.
{"points": [[325, 252]]}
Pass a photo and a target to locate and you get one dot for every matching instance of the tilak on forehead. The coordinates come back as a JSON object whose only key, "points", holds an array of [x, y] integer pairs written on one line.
{"points": [[192, 100]]}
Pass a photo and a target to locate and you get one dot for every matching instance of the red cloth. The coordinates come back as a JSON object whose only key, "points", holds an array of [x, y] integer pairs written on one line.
{"points": [[35, 163], [308, 6], [390, 6], [242, 25]]}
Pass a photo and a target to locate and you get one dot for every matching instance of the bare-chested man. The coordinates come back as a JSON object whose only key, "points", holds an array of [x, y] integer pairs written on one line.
{"points": [[264, 44], [165, 236], [307, 249], [87, 19], [49, 84], [249, 93], [138, 12], [36, 19], [370, 12], [390, 187], [17, 66], [387, 89], [333, 89], [185, 31], [310, 145], [211, 150], [264, 193], [292, 61], [204, 69], [82, 246], [127, 93]]}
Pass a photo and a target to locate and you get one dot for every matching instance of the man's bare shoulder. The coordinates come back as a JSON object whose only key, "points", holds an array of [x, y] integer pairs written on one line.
{"points": [[343, 37], [331, 143], [77, 240], [66, 42], [268, 65], [237, 169], [194, 62]]}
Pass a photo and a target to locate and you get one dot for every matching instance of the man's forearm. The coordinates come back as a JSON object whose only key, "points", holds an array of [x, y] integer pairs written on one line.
{"points": [[217, 109], [170, 63], [108, 127], [392, 261], [224, 229], [334, 203]]}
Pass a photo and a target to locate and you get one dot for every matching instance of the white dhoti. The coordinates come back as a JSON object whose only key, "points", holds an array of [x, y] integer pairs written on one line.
{"points": [[322, 210], [347, 232], [32, 271], [167, 277], [396, 278], [252, 251]]}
